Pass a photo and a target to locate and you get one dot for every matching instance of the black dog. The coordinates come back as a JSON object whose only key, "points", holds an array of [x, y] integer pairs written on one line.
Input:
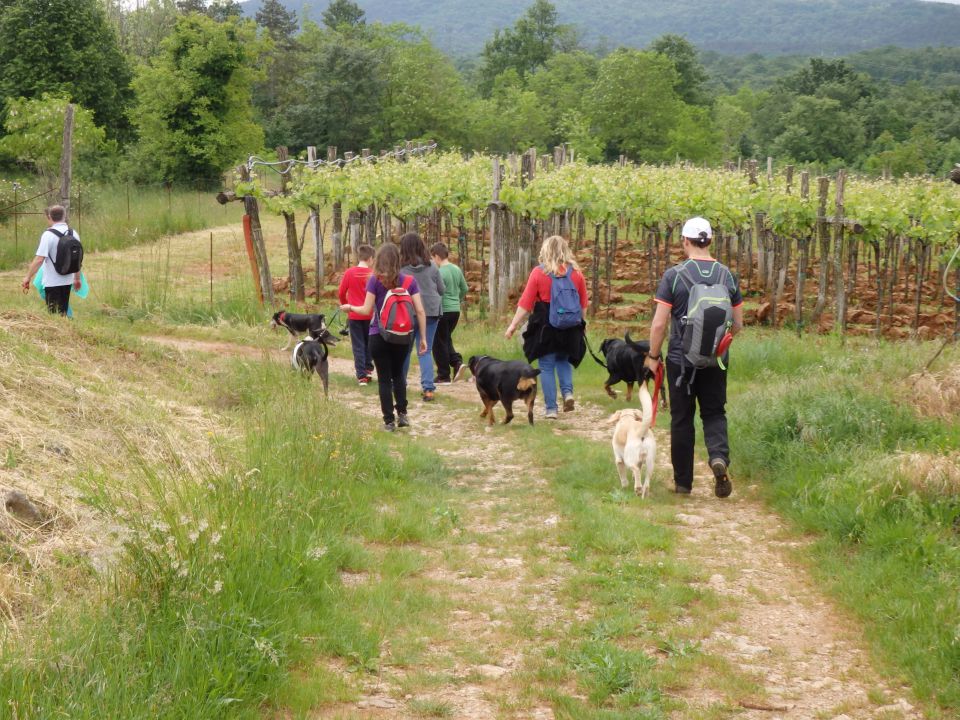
{"points": [[624, 363], [311, 355], [298, 325], [504, 381]]}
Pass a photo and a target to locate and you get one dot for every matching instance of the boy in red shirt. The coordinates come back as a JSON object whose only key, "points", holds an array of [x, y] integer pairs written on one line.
{"points": [[353, 291]]}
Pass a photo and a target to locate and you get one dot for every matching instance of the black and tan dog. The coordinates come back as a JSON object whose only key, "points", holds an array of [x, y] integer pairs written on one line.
{"points": [[311, 355], [624, 362], [298, 325], [504, 381]]}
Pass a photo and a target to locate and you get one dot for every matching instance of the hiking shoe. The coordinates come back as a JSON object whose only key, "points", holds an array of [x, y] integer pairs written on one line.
{"points": [[723, 487], [681, 490], [428, 395], [551, 415], [389, 427], [363, 381], [459, 372], [567, 403], [442, 381], [402, 420]]}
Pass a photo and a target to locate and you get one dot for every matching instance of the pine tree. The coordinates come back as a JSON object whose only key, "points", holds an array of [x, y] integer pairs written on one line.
{"points": [[278, 21]]}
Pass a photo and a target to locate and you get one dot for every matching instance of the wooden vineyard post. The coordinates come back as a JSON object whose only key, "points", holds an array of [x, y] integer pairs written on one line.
{"points": [[803, 254], [493, 226], [353, 224], [253, 233], [318, 268], [838, 247], [595, 262], [823, 235], [66, 160], [337, 236], [294, 262]]}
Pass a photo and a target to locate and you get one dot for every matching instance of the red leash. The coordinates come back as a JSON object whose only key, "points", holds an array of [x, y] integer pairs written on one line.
{"points": [[657, 384]]}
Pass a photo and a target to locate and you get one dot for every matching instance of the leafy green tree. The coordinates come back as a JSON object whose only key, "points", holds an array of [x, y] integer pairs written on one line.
{"points": [[279, 22], [194, 113], [533, 40], [35, 134], [562, 84], [511, 119], [343, 14], [66, 48], [688, 66], [733, 125], [144, 28], [695, 136], [219, 10], [337, 97], [424, 96], [634, 105], [820, 130]]}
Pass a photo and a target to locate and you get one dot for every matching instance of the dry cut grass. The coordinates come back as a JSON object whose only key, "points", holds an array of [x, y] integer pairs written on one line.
{"points": [[937, 394], [74, 406]]}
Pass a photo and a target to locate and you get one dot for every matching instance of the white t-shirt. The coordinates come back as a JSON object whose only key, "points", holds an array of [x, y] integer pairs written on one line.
{"points": [[48, 249]]}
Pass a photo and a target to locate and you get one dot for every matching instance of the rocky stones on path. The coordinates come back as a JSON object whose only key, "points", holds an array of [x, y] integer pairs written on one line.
{"points": [[695, 520], [378, 702]]}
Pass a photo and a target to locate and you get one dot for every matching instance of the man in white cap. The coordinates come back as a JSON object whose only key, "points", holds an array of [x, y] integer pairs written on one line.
{"points": [[689, 386]]}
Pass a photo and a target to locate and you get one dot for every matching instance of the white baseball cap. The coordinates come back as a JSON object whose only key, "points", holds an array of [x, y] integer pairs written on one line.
{"points": [[694, 226]]}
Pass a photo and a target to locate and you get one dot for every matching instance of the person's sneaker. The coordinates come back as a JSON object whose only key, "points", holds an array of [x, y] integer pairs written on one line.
{"points": [[389, 427], [428, 395], [363, 381], [402, 420], [567, 403], [723, 487], [681, 490], [551, 415], [442, 381], [459, 372]]}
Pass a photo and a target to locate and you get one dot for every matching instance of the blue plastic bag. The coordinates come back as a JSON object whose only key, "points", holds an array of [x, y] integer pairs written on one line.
{"points": [[81, 293]]}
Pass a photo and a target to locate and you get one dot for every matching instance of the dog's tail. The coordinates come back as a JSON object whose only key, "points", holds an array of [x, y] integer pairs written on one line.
{"points": [[643, 346], [528, 378], [295, 357], [646, 407]]}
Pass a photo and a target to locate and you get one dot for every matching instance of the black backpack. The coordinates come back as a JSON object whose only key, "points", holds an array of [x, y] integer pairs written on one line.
{"points": [[69, 252]]}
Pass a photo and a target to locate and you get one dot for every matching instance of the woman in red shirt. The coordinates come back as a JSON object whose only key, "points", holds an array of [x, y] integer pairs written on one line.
{"points": [[557, 350]]}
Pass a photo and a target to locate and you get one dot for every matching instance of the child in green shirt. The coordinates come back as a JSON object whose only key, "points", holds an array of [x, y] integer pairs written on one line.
{"points": [[445, 355]]}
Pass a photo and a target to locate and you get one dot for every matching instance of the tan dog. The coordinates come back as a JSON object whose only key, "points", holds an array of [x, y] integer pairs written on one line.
{"points": [[634, 443]]}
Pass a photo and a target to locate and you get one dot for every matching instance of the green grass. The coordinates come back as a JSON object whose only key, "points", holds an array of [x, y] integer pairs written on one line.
{"points": [[228, 580], [820, 425], [99, 214]]}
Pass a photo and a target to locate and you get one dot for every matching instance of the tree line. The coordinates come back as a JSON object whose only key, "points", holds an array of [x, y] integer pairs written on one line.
{"points": [[178, 90]]}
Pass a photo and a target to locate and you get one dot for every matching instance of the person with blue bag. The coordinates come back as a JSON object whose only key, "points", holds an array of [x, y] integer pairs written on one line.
{"points": [[555, 300], [59, 257]]}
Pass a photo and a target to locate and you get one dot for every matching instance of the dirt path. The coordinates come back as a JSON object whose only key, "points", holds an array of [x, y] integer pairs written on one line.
{"points": [[799, 656]]}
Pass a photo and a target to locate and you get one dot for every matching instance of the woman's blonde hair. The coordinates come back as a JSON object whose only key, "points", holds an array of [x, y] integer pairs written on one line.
{"points": [[555, 252]]}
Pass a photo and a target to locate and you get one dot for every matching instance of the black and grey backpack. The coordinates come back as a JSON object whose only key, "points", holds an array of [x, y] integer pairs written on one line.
{"points": [[708, 318]]}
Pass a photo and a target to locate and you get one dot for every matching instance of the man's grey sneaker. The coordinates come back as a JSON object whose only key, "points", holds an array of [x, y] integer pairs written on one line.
{"points": [[551, 415], [402, 420], [389, 427], [459, 372], [567, 403], [722, 487], [681, 490]]}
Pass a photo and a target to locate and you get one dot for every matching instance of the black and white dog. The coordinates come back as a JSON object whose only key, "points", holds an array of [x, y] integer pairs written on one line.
{"points": [[311, 355], [298, 325]]}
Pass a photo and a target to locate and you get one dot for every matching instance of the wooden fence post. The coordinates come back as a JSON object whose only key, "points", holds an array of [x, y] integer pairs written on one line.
{"points": [[66, 160], [294, 262], [802, 256], [253, 233], [318, 268], [839, 244], [336, 238], [823, 235], [493, 224]]}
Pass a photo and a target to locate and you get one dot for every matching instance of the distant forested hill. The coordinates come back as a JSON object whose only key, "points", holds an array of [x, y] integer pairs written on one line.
{"points": [[810, 27]]}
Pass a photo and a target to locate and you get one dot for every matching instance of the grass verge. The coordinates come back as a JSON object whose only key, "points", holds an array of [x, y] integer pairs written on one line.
{"points": [[826, 428], [228, 579]]}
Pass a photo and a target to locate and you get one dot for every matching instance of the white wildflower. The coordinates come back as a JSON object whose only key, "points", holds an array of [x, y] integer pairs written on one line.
{"points": [[217, 587], [318, 552], [265, 648], [215, 538]]}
